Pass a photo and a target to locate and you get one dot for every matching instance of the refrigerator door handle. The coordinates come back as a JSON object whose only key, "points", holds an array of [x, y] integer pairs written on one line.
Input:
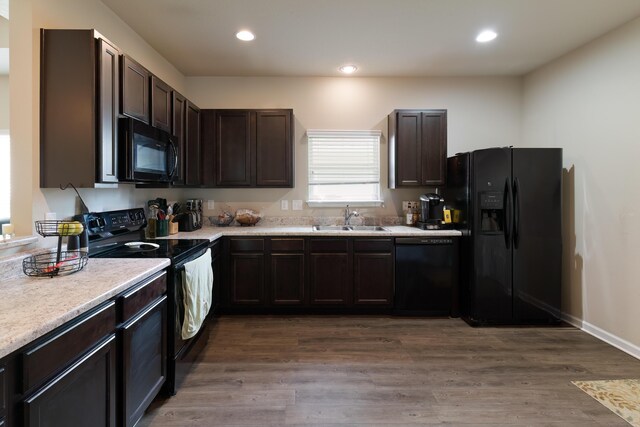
{"points": [[507, 214], [516, 212]]}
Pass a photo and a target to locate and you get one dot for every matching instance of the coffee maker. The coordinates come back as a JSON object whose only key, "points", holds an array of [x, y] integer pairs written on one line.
{"points": [[431, 215]]}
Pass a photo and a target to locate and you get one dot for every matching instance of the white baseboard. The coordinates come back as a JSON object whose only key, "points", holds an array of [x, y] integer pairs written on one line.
{"points": [[603, 335]]}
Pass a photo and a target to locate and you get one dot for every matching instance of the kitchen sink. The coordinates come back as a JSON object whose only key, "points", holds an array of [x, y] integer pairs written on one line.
{"points": [[348, 228], [367, 228], [330, 228]]}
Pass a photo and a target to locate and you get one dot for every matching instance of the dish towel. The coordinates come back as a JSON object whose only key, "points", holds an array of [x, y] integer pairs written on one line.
{"points": [[197, 284]]}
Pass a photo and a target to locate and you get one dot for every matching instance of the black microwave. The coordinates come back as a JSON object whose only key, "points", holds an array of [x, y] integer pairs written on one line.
{"points": [[145, 153]]}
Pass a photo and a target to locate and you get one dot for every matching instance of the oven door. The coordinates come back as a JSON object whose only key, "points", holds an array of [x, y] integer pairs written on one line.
{"points": [[148, 154]]}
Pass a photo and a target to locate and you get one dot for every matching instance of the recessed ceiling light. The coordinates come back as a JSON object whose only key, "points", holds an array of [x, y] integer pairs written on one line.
{"points": [[245, 36], [486, 36], [348, 69]]}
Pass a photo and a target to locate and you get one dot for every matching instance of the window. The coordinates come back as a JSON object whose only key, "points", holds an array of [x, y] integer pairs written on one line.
{"points": [[344, 167], [5, 179]]}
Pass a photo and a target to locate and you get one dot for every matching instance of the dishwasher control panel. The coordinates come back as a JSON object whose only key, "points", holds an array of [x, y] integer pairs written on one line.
{"points": [[424, 241]]}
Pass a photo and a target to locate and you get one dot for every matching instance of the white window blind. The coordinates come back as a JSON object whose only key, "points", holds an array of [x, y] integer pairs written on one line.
{"points": [[344, 166]]}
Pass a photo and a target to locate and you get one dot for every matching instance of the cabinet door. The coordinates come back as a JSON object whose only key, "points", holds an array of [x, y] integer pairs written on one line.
{"points": [[434, 147], [108, 104], [373, 278], [287, 279], [135, 90], [192, 134], [274, 148], [208, 145], [233, 149], [246, 281], [216, 264], [408, 149], [329, 279], [160, 104], [144, 352], [82, 395], [178, 129]]}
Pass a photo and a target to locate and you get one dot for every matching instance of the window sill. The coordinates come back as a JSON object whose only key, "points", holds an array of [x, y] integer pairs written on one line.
{"points": [[17, 241], [342, 204]]}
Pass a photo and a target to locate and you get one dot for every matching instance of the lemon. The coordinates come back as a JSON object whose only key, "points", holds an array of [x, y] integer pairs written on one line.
{"points": [[72, 228]]}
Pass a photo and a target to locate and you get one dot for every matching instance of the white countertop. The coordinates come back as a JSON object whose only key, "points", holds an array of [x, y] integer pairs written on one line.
{"points": [[214, 233], [30, 307]]}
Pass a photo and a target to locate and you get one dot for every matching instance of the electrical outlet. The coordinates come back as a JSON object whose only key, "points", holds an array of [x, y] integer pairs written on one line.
{"points": [[284, 205], [296, 205], [211, 205], [406, 205]]}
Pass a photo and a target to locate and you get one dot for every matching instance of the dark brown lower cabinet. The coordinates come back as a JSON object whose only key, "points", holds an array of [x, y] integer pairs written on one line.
{"points": [[246, 284], [82, 395], [287, 279], [144, 354], [373, 278], [329, 279]]}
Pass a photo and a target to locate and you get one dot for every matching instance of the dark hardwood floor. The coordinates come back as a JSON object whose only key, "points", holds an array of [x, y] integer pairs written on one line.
{"points": [[389, 371]]}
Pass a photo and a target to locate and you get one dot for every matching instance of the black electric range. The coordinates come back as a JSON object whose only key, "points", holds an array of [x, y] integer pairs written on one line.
{"points": [[108, 235]]}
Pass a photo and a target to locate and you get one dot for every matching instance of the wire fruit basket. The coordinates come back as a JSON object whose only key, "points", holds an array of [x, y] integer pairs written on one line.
{"points": [[60, 262]]}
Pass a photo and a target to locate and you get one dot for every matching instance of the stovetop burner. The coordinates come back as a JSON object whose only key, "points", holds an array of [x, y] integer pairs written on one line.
{"points": [[176, 249]]}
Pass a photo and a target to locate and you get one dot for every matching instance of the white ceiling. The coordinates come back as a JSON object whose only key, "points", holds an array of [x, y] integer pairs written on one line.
{"points": [[382, 37]]}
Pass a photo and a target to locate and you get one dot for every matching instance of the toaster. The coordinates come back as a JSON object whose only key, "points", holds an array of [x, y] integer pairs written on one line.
{"points": [[189, 221]]}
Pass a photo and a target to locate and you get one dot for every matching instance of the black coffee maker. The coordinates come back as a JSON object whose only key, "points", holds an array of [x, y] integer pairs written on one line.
{"points": [[431, 215]]}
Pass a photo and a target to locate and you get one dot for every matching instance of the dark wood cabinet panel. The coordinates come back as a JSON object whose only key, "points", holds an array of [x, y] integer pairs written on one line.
{"points": [[108, 104], [178, 129], [233, 148], [79, 103], [161, 98], [248, 148], [417, 148], [287, 279], [192, 136], [373, 278], [3, 391], [246, 284], [434, 147], [82, 395], [144, 353], [409, 148], [47, 356], [329, 279], [274, 148], [140, 296], [135, 89]]}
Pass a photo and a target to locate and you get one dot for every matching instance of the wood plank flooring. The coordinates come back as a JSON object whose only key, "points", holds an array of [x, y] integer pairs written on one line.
{"points": [[389, 371]]}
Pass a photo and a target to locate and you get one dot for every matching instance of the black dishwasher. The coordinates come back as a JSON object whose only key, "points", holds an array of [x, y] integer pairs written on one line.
{"points": [[426, 276]]}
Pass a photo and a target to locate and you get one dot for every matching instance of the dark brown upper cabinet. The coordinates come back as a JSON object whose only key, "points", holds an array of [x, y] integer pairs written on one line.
{"points": [[178, 129], [192, 146], [161, 97], [79, 102], [248, 148], [417, 148], [135, 90]]}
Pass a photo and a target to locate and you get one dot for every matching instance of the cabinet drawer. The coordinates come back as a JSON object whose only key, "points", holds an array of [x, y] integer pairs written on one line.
{"points": [[140, 296], [373, 245], [329, 245], [51, 355], [287, 245], [247, 245]]}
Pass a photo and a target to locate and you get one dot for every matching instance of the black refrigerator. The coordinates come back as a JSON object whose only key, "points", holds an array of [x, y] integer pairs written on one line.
{"points": [[507, 203]]}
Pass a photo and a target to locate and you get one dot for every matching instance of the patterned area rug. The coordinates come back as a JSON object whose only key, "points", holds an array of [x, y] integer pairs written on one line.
{"points": [[620, 396]]}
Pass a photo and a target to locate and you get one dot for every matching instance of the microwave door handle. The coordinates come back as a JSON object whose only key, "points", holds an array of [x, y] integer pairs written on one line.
{"points": [[175, 160]]}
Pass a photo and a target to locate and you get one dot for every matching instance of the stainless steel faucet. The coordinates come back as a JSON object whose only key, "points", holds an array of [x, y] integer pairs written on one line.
{"points": [[348, 214]]}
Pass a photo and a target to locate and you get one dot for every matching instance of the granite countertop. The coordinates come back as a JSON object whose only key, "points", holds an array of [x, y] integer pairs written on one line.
{"points": [[214, 233], [30, 307]]}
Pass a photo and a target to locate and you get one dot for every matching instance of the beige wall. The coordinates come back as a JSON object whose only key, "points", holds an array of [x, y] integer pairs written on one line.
{"points": [[29, 202], [4, 102], [588, 103], [482, 112]]}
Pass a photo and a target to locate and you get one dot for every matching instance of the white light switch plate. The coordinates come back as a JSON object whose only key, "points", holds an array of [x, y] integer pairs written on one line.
{"points": [[284, 205], [296, 205], [210, 205]]}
